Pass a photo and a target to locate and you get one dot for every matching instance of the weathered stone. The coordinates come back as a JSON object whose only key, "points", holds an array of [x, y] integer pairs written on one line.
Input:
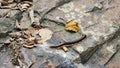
{"points": [[98, 19], [115, 61], [23, 19], [97, 25], [48, 5], [106, 53], [6, 26], [7, 22], [38, 57]]}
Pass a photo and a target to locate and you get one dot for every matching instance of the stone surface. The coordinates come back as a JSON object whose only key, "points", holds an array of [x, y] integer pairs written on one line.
{"points": [[93, 19], [6, 24], [98, 19], [49, 5], [114, 63], [39, 57], [108, 51]]}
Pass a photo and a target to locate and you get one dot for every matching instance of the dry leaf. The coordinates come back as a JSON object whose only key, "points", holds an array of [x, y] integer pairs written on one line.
{"points": [[23, 6], [15, 34], [45, 34], [72, 26], [29, 46], [31, 31], [30, 42]]}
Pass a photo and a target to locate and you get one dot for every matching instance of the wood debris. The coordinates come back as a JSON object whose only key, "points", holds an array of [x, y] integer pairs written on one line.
{"points": [[65, 48]]}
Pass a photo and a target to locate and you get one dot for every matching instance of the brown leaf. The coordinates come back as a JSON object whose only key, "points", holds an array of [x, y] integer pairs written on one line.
{"points": [[25, 34], [30, 42], [32, 31], [15, 34]]}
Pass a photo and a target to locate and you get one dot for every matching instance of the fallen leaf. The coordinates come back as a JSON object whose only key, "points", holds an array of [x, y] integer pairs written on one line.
{"points": [[28, 46], [31, 31], [45, 34], [30, 42], [15, 34], [20, 40], [24, 6], [72, 26]]}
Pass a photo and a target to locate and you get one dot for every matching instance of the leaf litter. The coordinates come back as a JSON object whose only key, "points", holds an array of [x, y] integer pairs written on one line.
{"points": [[29, 35]]}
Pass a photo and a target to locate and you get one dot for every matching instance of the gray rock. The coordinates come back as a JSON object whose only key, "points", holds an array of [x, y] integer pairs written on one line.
{"points": [[98, 26], [38, 57], [7, 23], [6, 26], [48, 5], [106, 53]]}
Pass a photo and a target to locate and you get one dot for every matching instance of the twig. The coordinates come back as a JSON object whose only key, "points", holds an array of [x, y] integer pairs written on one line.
{"points": [[71, 42]]}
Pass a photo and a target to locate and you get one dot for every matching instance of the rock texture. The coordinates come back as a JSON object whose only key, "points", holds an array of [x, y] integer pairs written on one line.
{"points": [[98, 19], [7, 22]]}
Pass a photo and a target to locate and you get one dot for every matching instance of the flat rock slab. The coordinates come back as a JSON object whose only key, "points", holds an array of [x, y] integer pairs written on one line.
{"points": [[106, 53], [94, 18], [37, 57], [98, 19]]}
